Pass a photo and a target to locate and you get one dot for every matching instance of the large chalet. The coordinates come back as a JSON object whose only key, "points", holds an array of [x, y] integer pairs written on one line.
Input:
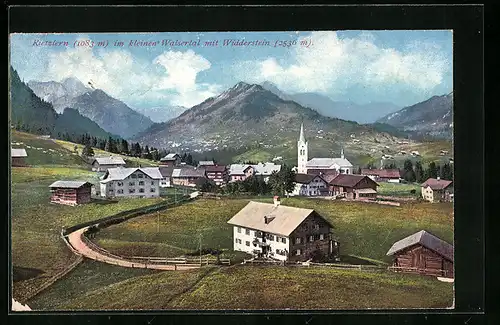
{"points": [[282, 232], [131, 182], [353, 186], [437, 190]]}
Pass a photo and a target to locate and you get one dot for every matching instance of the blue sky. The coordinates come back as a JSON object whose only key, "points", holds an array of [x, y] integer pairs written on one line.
{"points": [[403, 67]]}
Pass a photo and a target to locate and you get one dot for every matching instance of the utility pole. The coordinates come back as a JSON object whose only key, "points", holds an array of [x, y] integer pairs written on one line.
{"points": [[158, 212], [200, 248]]}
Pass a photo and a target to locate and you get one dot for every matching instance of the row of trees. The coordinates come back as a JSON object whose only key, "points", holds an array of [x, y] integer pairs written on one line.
{"points": [[121, 146], [417, 173], [279, 183]]}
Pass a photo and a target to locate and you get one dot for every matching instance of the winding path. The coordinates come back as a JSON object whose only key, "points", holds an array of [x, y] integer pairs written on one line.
{"points": [[75, 240]]}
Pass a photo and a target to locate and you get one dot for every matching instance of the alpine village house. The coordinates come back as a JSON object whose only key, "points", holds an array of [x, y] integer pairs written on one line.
{"points": [[422, 253], [283, 233], [70, 192], [131, 182], [102, 164], [437, 190]]}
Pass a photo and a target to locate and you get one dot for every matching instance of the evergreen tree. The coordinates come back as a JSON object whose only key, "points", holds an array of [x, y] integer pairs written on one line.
{"points": [[87, 151], [446, 172], [408, 173], [183, 158], [359, 171], [108, 145], [419, 172], [432, 171], [189, 159]]}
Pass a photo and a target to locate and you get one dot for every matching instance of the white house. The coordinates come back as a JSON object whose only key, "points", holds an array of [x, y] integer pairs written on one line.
{"points": [[131, 182], [281, 232], [102, 164], [310, 185], [240, 172]]}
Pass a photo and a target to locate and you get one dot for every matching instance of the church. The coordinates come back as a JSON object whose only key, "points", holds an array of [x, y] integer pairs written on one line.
{"points": [[323, 166]]}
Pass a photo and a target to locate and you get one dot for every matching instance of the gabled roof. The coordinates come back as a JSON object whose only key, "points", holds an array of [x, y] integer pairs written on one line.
{"points": [[266, 168], [238, 169], [206, 163], [306, 178], [218, 168], [69, 184], [320, 163], [382, 173], [437, 184], [166, 171], [349, 180], [188, 172], [286, 219], [18, 153], [110, 160], [170, 156], [427, 240], [120, 173]]}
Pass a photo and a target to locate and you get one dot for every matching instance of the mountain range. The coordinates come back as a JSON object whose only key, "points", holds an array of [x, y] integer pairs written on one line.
{"points": [[250, 115], [346, 110], [109, 113], [432, 117], [162, 114], [33, 114]]}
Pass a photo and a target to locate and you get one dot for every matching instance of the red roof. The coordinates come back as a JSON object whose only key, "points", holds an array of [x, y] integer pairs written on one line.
{"points": [[382, 173], [437, 184], [215, 168], [349, 180]]}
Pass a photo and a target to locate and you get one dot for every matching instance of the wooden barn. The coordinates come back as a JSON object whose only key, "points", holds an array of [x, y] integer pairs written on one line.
{"points": [[422, 253], [354, 187], [70, 192], [18, 156]]}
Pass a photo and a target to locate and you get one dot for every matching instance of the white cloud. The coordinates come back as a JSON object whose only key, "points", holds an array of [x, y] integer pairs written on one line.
{"points": [[332, 65], [170, 77]]}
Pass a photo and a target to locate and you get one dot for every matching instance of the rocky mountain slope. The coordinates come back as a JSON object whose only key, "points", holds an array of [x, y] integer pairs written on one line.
{"points": [[432, 117], [109, 113]]}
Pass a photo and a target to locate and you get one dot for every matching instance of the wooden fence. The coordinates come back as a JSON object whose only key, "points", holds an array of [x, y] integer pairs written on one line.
{"points": [[436, 272]]}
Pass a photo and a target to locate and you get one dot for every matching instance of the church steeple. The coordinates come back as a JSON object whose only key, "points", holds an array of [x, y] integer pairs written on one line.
{"points": [[302, 152], [301, 137]]}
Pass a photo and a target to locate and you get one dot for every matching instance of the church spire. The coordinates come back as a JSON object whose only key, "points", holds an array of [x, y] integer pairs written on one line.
{"points": [[302, 138]]}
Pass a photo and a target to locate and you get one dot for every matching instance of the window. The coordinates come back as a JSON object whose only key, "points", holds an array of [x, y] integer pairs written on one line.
{"points": [[131, 190], [110, 190], [120, 183], [141, 182], [152, 190], [311, 238], [247, 231], [316, 237], [141, 190], [297, 240], [131, 183], [239, 241], [152, 183], [247, 243], [297, 253], [239, 230], [270, 237], [283, 240], [120, 191], [316, 227], [134, 176], [140, 176], [321, 236]]}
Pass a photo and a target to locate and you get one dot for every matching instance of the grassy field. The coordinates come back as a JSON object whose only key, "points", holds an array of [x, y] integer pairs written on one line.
{"points": [[398, 189], [364, 230], [92, 287], [36, 224], [45, 151], [131, 161]]}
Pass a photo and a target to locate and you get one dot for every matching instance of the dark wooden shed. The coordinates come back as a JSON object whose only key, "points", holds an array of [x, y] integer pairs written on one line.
{"points": [[70, 192], [18, 157], [422, 253]]}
